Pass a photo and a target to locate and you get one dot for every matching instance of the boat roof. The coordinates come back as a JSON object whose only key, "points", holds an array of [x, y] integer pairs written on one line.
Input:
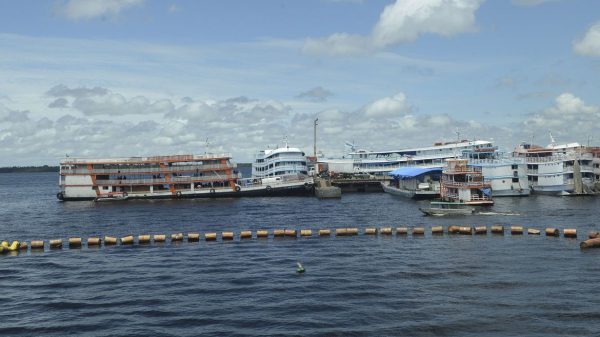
{"points": [[411, 172], [449, 145]]}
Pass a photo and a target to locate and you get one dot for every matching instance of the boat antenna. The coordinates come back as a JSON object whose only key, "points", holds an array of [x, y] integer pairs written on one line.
{"points": [[286, 142], [552, 140], [315, 137], [206, 144]]}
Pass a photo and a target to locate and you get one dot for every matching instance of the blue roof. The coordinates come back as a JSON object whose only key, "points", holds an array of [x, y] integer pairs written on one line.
{"points": [[411, 172]]}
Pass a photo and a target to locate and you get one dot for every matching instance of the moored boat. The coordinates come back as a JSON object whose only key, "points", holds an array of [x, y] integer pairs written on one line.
{"points": [[441, 208]]}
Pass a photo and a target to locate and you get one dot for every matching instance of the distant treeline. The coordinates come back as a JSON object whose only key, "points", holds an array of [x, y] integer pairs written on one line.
{"points": [[29, 169]]}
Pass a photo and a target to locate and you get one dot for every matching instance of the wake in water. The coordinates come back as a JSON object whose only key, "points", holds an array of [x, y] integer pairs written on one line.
{"points": [[497, 213]]}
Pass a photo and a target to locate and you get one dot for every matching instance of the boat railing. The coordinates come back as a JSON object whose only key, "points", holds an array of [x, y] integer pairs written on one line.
{"points": [[151, 159], [161, 181], [169, 169], [474, 184]]}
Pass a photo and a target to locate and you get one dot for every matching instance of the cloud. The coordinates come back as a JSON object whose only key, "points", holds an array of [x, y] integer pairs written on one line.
{"points": [[388, 107], [59, 103], [568, 117], [316, 94], [174, 8], [89, 9], [589, 45], [62, 90], [401, 22]]}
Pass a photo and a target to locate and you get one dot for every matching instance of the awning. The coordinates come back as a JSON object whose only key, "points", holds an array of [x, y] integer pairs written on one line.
{"points": [[411, 172]]}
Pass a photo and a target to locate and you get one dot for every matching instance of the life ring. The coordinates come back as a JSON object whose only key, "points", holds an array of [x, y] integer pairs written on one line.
{"points": [[238, 188], [60, 196], [178, 194], [212, 191], [269, 188]]}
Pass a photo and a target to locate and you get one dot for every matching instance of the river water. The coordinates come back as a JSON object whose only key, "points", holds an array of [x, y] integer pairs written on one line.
{"points": [[448, 285]]}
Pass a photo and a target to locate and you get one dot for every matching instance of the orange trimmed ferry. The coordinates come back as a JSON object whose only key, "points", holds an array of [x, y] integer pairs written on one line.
{"points": [[163, 177]]}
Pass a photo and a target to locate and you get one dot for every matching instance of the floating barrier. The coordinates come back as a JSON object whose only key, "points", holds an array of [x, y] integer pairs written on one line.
{"points": [[262, 233], [57, 243], [453, 229], [5, 247], [402, 231], [74, 242], [352, 231], [246, 235], [37, 244], [533, 231], [551, 231], [385, 230], [127, 240], [227, 236], [341, 231], [278, 233], [210, 236], [498, 229], [159, 238], [516, 230], [418, 231], [481, 230], [143, 239], [93, 241], [305, 232], [370, 231], [23, 245], [590, 243], [290, 233], [324, 232], [465, 230], [110, 240], [193, 237], [437, 230], [176, 237], [594, 235], [570, 233]]}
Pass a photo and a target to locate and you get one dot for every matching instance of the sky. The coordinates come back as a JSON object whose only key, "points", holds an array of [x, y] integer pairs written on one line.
{"points": [[112, 78]]}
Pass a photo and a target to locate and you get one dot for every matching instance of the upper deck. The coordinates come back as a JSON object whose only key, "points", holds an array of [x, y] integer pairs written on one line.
{"points": [[183, 158]]}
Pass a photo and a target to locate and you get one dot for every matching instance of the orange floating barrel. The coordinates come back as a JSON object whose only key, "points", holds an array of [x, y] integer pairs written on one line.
{"points": [[324, 232], [193, 237], [74, 242], [352, 231], [453, 229], [56, 243], [570, 233], [278, 232], [533, 231], [551, 231], [227, 236], [210, 236], [467, 230], [516, 230], [418, 231], [93, 241], [385, 230], [261, 233], [127, 240], [246, 235], [290, 233], [341, 231], [110, 240], [481, 230], [176, 237], [437, 230], [402, 231], [370, 231], [159, 238], [498, 229], [143, 239], [590, 243], [37, 244], [23, 245], [594, 235], [305, 232]]}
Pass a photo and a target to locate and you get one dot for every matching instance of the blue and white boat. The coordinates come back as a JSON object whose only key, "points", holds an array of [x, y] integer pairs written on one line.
{"points": [[414, 182]]}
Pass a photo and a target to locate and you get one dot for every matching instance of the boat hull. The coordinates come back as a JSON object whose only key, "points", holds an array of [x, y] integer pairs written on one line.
{"points": [[446, 212], [420, 195]]}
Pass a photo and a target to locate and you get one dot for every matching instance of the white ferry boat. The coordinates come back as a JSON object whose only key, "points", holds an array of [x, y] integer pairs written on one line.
{"points": [[565, 169], [382, 162], [162, 177], [506, 174], [280, 161], [464, 183]]}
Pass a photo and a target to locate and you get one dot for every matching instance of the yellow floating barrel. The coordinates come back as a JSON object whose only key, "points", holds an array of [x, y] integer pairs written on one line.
{"points": [[437, 230], [551, 231], [193, 237], [37, 244], [594, 235], [324, 232], [290, 233], [159, 237], [352, 231], [370, 231], [261, 233], [498, 229], [246, 235], [341, 231], [210, 236], [127, 240], [227, 236], [533, 231], [93, 241], [481, 230], [56, 243], [176, 237], [110, 240], [570, 233], [418, 231], [385, 230], [466, 230], [278, 232], [590, 243], [402, 231], [453, 229], [23, 245], [516, 230], [142, 239], [5, 247], [74, 242], [305, 232]]}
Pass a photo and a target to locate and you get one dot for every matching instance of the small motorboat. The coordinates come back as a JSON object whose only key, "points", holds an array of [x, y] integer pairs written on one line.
{"points": [[118, 196], [441, 208]]}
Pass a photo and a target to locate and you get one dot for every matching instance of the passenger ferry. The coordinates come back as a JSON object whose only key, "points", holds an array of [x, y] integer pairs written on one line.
{"points": [[280, 161], [464, 183], [565, 169], [382, 162], [163, 177], [506, 174]]}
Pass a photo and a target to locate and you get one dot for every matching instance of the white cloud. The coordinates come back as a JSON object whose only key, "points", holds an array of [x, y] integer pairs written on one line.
{"points": [[401, 22], [394, 106], [316, 94], [589, 45], [89, 9]]}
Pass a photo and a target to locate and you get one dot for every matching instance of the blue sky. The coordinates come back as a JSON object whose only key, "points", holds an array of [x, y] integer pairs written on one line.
{"points": [[134, 77]]}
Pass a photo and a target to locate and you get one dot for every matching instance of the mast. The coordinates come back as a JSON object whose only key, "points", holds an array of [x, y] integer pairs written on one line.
{"points": [[315, 138]]}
